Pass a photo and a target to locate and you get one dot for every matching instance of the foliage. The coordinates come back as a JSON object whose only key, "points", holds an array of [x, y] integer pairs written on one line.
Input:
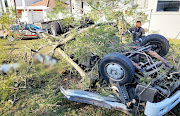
{"points": [[54, 12], [97, 41], [115, 11], [8, 18], [122, 13], [103, 39], [37, 85]]}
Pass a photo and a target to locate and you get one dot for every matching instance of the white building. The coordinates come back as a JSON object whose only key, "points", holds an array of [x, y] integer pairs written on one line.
{"points": [[30, 11]]}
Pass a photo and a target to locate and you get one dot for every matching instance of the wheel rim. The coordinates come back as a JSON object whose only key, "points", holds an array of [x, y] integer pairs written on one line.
{"points": [[115, 71]]}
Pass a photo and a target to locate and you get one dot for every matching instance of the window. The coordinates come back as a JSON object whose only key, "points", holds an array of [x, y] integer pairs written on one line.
{"points": [[168, 5]]}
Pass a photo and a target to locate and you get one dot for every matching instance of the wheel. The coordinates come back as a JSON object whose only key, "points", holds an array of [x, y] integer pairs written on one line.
{"points": [[115, 67], [159, 42], [61, 27], [55, 28]]}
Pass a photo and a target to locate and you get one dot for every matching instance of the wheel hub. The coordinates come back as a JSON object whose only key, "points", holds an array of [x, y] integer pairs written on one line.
{"points": [[115, 71]]}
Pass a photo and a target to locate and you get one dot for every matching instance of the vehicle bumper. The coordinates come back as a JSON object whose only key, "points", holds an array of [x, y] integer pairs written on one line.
{"points": [[151, 109], [94, 99], [163, 107]]}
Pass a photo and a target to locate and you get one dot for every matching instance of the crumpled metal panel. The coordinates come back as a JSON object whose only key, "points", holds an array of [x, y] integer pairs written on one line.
{"points": [[94, 99], [163, 107]]}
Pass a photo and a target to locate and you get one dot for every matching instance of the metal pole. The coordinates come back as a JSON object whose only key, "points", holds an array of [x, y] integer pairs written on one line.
{"points": [[81, 5], [150, 20], [70, 3], [17, 19]]}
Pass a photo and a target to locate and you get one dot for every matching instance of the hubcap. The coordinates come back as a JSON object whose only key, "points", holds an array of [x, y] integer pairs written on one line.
{"points": [[115, 71]]}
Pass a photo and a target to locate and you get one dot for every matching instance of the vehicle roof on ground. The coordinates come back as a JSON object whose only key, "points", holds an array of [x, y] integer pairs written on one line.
{"points": [[16, 26]]}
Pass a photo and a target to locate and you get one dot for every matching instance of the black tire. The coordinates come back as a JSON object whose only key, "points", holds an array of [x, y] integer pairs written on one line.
{"points": [[55, 28], [61, 27], [118, 59], [162, 44]]}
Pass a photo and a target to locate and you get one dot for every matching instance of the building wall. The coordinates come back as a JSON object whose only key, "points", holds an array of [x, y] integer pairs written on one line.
{"points": [[76, 6], [36, 16], [33, 15], [166, 23], [161, 22], [1, 8], [19, 3]]}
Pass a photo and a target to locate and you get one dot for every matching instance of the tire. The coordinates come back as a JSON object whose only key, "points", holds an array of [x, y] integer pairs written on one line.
{"points": [[55, 28], [162, 44], [116, 62], [61, 27]]}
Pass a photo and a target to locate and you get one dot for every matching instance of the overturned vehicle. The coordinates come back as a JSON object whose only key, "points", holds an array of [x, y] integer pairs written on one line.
{"points": [[140, 80]]}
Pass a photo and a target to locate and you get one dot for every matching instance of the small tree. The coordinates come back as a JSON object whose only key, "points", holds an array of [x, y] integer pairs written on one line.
{"points": [[116, 15], [8, 18]]}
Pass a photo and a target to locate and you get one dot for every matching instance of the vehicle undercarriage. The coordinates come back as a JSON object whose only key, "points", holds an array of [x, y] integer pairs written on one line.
{"points": [[140, 80]]}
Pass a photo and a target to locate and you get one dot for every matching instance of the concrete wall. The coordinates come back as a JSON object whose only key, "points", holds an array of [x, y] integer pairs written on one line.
{"points": [[76, 6], [31, 16], [166, 23], [37, 16], [25, 17], [1, 8], [19, 3]]}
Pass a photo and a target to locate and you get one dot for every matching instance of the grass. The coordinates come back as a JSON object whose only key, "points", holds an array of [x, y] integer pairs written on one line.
{"points": [[174, 41], [42, 96]]}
